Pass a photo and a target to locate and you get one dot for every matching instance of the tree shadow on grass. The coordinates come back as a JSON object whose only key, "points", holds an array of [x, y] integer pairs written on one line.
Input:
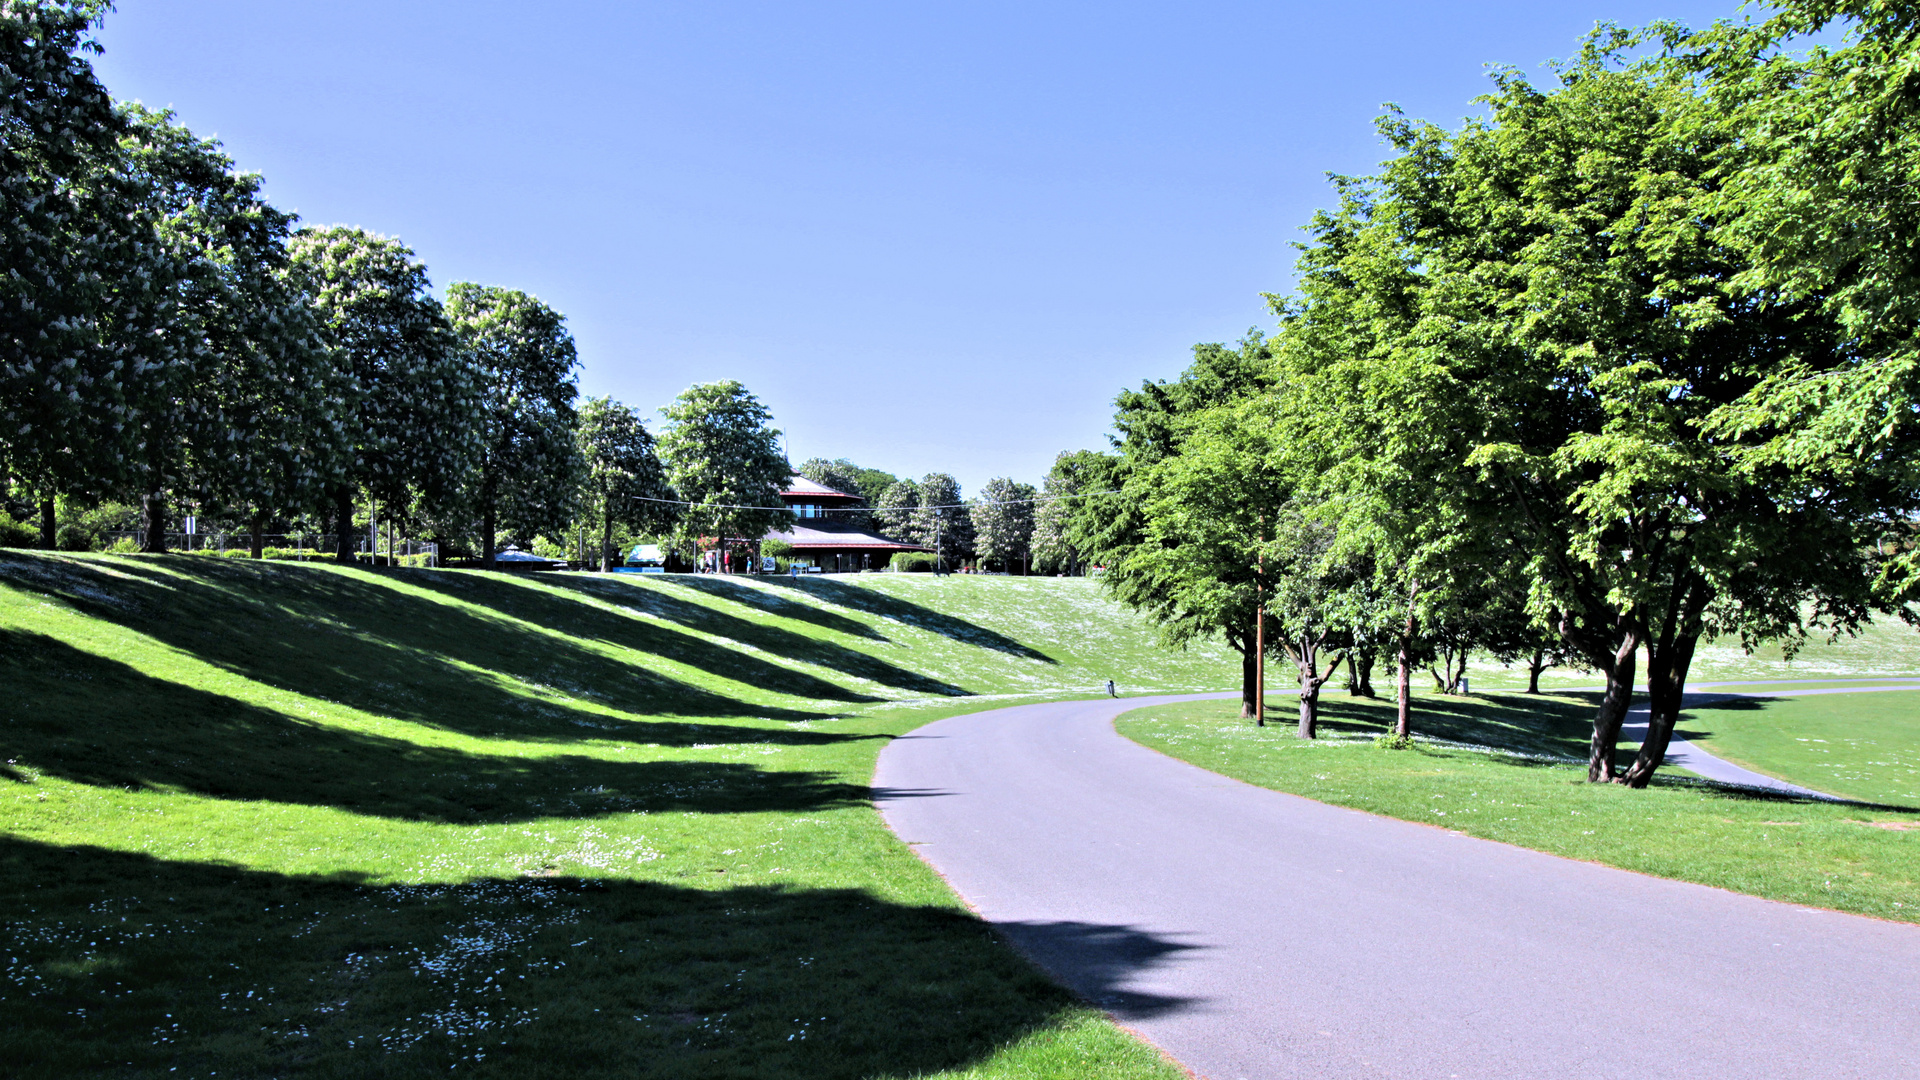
{"points": [[352, 638], [1519, 723], [94, 720], [590, 620], [128, 963], [875, 602], [731, 587]]}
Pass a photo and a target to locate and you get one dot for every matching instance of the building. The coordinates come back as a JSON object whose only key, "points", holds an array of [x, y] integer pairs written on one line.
{"points": [[829, 538]]}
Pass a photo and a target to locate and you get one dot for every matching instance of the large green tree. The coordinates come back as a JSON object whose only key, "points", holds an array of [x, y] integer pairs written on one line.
{"points": [[410, 404], [85, 283], [625, 481], [1002, 518], [1569, 341], [941, 521], [241, 422], [1053, 549], [529, 469], [723, 456], [1185, 558], [896, 511]]}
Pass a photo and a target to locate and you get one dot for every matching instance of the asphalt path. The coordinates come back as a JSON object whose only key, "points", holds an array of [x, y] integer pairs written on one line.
{"points": [[1682, 753], [1255, 934]]}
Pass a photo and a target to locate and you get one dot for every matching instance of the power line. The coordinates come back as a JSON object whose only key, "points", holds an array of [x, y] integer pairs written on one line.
{"points": [[869, 509]]}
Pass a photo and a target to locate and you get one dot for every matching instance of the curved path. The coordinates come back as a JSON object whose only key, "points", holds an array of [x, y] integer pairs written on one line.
{"points": [[1256, 934], [1684, 754]]}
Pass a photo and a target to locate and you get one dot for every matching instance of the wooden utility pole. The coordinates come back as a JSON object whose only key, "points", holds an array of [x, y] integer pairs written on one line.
{"points": [[1260, 629]]}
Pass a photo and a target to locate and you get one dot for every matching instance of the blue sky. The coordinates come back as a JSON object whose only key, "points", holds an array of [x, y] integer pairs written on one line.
{"points": [[929, 237]]}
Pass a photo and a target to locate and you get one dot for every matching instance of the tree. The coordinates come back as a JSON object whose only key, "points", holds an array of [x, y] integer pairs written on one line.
{"points": [[1053, 550], [1184, 558], [242, 421], [410, 408], [840, 475], [1558, 350], [85, 288], [529, 466], [724, 458], [897, 511], [1002, 519], [942, 521], [626, 483]]}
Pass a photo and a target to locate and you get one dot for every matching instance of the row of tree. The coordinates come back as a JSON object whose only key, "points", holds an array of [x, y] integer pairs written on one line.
{"points": [[1627, 364], [170, 339]]}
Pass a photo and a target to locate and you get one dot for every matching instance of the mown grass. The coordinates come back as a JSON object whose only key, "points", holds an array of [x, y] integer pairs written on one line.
{"points": [[267, 819], [1885, 648], [1863, 746], [1510, 767]]}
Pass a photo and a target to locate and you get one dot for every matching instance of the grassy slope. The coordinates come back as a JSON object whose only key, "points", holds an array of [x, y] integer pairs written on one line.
{"points": [[1887, 648], [1532, 791], [1863, 746], [263, 819]]}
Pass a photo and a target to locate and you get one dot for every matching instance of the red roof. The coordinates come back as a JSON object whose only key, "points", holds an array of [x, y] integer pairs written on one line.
{"points": [[801, 488], [805, 539]]}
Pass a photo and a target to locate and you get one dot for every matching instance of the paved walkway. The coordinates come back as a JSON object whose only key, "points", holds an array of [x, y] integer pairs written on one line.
{"points": [[1256, 934], [1684, 754]]}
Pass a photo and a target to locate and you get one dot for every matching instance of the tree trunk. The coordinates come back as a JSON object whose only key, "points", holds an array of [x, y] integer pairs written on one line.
{"points": [[1307, 660], [257, 540], [1403, 712], [1260, 667], [1668, 658], [1366, 674], [1248, 676], [1619, 670], [153, 521], [486, 536], [606, 543], [49, 536], [1353, 677], [1534, 668], [343, 525]]}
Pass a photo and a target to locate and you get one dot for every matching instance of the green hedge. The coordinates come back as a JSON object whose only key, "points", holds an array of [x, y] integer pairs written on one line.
{"points": [[911, 562]]}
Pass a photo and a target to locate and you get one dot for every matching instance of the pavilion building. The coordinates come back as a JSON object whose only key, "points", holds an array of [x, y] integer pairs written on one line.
{"points": [[828, 536]]}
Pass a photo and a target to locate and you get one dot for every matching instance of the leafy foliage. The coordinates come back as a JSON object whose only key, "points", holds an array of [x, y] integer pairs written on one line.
{"points": [[723, 457], [625, 482], [529, 467], [1002, 518]]}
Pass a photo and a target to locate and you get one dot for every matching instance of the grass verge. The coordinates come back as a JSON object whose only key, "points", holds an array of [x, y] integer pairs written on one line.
{"points": [[263, 819], [1503, 766], [1862, 745]]}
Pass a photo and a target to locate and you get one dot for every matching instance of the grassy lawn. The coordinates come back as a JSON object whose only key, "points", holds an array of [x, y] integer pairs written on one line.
{"points": [[1884, 648], [263, 819], [1509, 767], [1863, 746]]}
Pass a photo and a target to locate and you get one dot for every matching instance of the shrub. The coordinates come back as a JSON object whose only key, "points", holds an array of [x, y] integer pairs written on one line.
{"points": [[17, 534], [911, 562]]}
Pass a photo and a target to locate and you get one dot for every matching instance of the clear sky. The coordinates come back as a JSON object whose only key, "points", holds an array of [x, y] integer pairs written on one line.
{"points": [[928, 236]]}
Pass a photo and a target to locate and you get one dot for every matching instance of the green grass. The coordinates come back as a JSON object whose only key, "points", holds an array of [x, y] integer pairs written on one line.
{"points": [[1863, 746], [266, 819], [1886, 648], [1510, 767]]}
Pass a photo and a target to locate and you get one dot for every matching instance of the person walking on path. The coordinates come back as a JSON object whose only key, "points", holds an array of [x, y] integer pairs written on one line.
{"points": [[1111, 692]]}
